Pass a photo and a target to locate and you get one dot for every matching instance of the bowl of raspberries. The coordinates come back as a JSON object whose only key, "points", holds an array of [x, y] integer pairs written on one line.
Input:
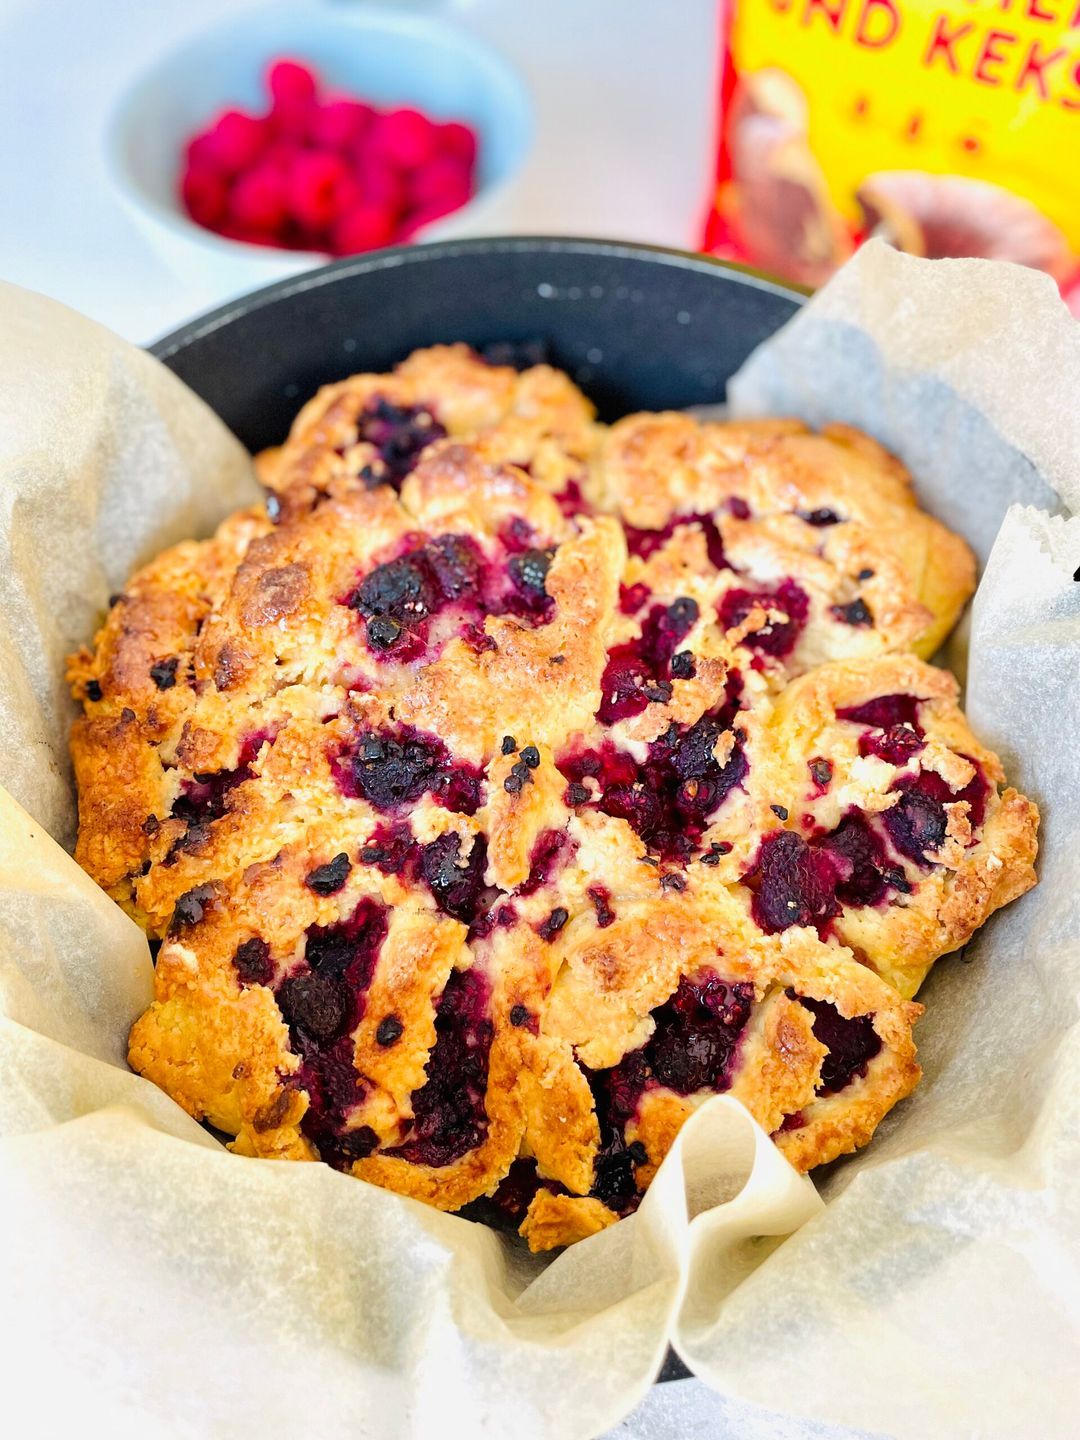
{"points": [[298, 133]]}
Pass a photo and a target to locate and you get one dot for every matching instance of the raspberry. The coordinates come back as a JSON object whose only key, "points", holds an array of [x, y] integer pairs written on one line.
{"points": [[347, 193], [795, 885], [258, 198], [201, 153], [311, 188], [205, 194], [444, 181], [292, 88], [405, 138], [459, 141], [363, 227], [282, 152], [234, 142], [250, 236], [333, 175], [339, 124], [549, 852], [696, 1033], [380, 184]]}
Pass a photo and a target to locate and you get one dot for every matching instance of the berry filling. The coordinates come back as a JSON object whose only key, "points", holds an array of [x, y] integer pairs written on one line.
{"points": [[885, 711], [670, 798], [600, 896], [852, 1044], [398, 599], [800, 882], [571, 501], [550, 852], [894, 733], [792, 884], [549, 928], [494, 917], [399, 434], [696, 1034], [328, 879], [389, 848], [862, 874], [631, 598], [692, 1048], [777, 638], [821, 773], [528, 574], [205, 797], [449, 1116], [505, 1209], [392, 770], [456, 885], [897, 745], [643, 543], [322, 1007], [639, 671], [918, 822]]}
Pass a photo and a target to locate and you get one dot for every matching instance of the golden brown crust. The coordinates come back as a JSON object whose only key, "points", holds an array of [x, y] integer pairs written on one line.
{"points": [[537, 418], [948, 892], [447, 786], [555, 1220], [834, 511]]}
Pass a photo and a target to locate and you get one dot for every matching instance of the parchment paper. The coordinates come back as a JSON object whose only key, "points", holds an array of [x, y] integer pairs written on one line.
{"points": [[154, 1284]]}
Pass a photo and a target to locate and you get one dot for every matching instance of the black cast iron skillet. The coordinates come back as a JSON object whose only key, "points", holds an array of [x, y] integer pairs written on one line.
{"points": [[638, 328]]}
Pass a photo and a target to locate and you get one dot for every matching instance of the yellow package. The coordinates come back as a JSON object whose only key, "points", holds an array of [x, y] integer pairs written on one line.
{"points": [[951, 129]]}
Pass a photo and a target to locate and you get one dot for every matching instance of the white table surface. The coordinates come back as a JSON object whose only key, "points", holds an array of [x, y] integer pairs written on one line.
{"points": [[624, 91]]}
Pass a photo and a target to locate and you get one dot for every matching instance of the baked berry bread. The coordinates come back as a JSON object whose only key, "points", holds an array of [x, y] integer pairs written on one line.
{"points": [[899, 840], [823, 531], [486, 834]]}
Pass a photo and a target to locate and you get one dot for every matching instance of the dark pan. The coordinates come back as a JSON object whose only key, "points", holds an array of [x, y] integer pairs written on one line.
{"points": [[638, 328]]}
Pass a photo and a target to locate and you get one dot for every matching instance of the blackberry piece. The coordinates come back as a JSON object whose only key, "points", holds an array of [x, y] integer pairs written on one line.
{"points": [[328, 879], [389, 1032], [163, 672]]}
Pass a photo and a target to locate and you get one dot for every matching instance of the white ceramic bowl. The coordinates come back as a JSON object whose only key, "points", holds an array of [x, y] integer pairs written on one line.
{"points": [[387, 56]]}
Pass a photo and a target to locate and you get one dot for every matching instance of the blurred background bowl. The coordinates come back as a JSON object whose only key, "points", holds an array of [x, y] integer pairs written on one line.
{"points": [[387, 57]]}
